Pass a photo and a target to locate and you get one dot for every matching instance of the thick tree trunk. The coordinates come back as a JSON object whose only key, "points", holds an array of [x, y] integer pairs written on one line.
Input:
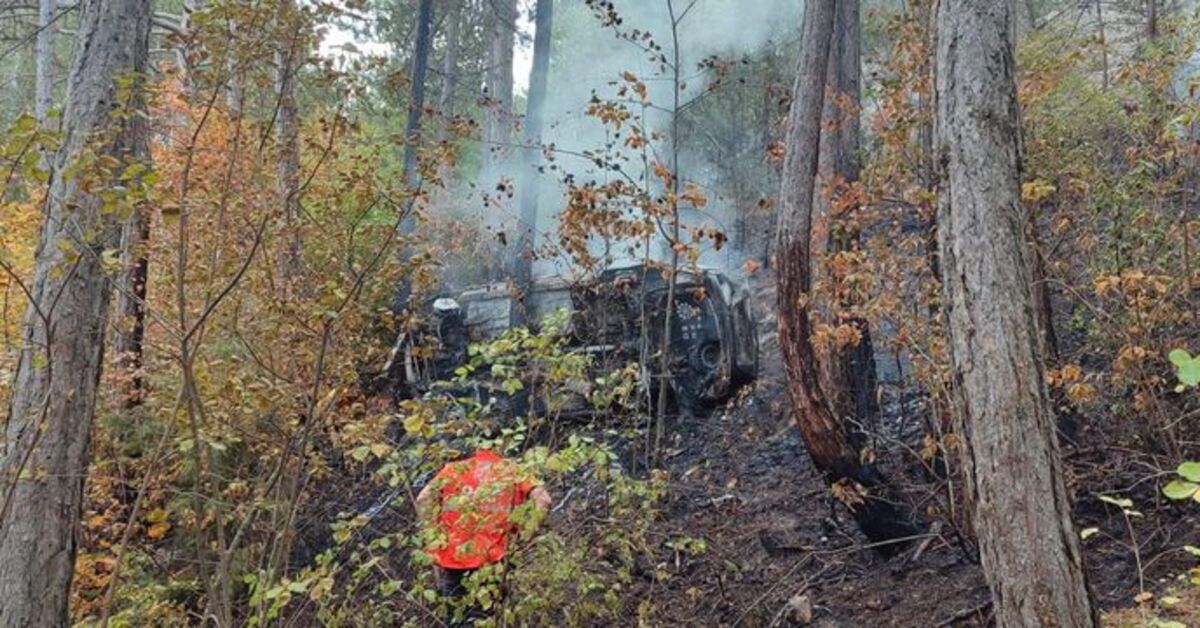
{"points": [[44, 51], [830, 443], [412, 172], [416, 105], [847, 373], [497, 130], [287, 63], [1028, 545], [498, 122], [450, 61], [44, 460], [529, 187]]}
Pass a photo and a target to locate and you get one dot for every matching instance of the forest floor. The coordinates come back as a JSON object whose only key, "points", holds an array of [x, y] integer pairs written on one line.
{"points": [[778, 551], [743, 482]]}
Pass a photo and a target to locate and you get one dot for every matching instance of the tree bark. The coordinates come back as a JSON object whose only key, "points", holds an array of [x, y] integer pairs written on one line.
{"points": [[128, 343], [287, 63], [234, 93], [529, 188], [44, 51], [416, 106], [499, 84], [497, 130], [1103, 42], [848, 372], [1031, 15], [1043, 303], [450, 62], [1152, 19], [45, 456], [1028, 545], [831, 445]]}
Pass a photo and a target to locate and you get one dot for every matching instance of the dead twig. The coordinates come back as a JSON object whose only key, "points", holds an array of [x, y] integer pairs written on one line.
{"points": [[964, 614]]}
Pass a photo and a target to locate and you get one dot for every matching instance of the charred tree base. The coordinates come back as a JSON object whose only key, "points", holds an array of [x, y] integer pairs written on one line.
{"points": [[887, 523]]}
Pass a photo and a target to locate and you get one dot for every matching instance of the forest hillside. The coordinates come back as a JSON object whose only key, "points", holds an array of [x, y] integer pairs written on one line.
{"points": [[600, 313]]}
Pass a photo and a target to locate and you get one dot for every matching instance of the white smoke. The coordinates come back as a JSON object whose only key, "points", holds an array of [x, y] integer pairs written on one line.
{"points": [[588, 57]]}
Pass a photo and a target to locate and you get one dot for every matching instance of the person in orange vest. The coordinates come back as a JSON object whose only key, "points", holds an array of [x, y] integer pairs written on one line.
{"points": [[471, 503]]}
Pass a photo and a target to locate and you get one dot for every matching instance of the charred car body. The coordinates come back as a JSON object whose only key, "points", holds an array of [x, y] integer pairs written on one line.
{"points": [[618, 317]]}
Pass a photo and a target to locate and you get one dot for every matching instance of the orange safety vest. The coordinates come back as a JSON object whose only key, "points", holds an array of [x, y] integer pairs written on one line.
{"points": [[477, 496]]}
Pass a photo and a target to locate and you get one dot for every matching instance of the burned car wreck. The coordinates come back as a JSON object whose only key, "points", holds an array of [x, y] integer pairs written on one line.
{"points": [[618, 317]]}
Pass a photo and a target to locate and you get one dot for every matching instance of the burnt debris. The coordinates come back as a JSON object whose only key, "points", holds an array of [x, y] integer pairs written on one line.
{"points": [[618, 317]]}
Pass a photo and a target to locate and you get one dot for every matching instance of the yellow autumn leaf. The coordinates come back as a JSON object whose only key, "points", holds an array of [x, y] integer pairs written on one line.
{"points": [[158, 530], [1037, 191]]}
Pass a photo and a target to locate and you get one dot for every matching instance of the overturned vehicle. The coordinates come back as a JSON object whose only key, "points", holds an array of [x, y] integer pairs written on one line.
{"points": [[618, 317]]}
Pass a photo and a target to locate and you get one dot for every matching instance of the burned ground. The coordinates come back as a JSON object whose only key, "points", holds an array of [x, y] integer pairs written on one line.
{"points": [[740, 481]]}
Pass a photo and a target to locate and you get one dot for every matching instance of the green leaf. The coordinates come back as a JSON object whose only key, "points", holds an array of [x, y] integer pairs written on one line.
{"points": [[1179, 357], [1187, 367], [1178, 489], [1192, 549], [360, 453], [1190, 375], [25, 124], [1189, 471], [414, 424]]}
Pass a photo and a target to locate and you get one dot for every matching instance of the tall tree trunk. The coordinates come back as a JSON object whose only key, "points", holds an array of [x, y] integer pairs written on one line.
{"points": [[129, 341], [928, 168], [847, 373], [1151, 19], [529, 188], [416, 105], [287, 63], [1028, 545], [1031, 16], [234, 93], [395, 372], [497, 131], [450, 61], [1103, 42], [499, 84], [44, 51], [831, 445], [45, 457]]}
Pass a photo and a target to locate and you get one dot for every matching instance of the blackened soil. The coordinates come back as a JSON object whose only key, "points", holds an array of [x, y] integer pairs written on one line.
{"points": [[741, 481]]}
